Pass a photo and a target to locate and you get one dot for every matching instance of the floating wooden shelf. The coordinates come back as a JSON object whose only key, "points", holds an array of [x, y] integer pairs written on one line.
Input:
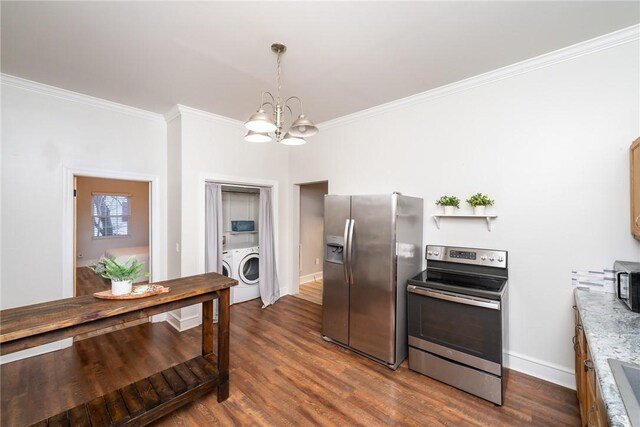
{"points": [[488, 218]]}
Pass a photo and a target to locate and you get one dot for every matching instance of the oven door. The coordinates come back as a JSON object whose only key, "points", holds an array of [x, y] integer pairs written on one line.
{"points": [[461, 328]]}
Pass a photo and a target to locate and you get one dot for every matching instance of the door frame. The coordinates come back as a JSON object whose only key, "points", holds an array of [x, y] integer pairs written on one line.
{"points": [[237, 180], [68, 221], [294, 271]]}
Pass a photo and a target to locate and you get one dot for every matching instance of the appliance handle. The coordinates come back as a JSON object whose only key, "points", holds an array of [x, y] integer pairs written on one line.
{"points": [[476, 302], [618, 274], [350, 254], [345, 251]]}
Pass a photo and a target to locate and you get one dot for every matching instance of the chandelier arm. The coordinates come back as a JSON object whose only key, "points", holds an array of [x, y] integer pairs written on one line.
{"points": [[290, 112], [299, 100], [268, 103], [262, 98]]}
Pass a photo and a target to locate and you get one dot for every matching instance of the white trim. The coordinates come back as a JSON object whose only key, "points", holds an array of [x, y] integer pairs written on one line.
{"points": [[81, 98], [179, 109], [310, 277], [35, 351], [67, 220], [606, 41], [183, 323], [540, 369]]}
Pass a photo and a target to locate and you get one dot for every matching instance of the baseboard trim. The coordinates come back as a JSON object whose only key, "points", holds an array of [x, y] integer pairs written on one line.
{"points": [[36, 351], [180, 323], [310, 277], [540, 369]]}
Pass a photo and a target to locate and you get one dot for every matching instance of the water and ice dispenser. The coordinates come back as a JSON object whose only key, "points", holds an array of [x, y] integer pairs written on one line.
{"points": [[334, 249]]}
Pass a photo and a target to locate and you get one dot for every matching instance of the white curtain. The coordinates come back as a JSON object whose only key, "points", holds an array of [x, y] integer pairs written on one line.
{"points": [[213, 227], [269, 286]]}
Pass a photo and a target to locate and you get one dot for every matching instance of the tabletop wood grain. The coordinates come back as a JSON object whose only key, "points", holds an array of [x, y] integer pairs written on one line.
{"points": [[26, 321]]}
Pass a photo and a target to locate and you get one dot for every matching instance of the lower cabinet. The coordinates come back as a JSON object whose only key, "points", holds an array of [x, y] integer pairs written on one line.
{"points": [[592, 409]]}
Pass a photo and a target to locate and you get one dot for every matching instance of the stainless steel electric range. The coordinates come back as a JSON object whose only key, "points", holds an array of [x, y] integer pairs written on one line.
{"points": [[457, 311]]}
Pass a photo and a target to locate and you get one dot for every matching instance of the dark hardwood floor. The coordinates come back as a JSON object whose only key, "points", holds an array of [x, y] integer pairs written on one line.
{"points": [[88, 282], [282, 373]]}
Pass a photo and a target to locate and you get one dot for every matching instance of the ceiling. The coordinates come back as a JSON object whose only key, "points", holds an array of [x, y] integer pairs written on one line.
{"points": [[342, 57]]}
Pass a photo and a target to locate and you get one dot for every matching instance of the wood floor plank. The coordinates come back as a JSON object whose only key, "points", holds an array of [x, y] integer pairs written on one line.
{"points": [[282, 374]]}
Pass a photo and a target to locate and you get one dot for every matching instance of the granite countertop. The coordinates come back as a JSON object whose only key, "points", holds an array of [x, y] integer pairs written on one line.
{"points": [[613, 332]]}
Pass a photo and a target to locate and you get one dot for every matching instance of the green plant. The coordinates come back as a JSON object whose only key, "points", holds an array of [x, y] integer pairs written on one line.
{"points": [[109, 268], [480, 199], [448, 201]]}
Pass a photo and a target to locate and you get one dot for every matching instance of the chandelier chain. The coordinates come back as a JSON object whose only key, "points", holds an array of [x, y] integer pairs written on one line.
{"points": [[279, 83]]}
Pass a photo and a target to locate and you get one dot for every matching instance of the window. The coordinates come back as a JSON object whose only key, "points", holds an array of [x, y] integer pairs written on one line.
{"points": [[110, 215]]}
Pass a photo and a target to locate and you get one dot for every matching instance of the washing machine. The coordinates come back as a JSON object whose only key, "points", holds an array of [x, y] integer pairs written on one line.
{"points": [[245, 259], [227, 265]]}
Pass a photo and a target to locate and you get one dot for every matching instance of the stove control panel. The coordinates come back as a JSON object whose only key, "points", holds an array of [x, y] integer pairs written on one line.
{"points": [[475, 256]]}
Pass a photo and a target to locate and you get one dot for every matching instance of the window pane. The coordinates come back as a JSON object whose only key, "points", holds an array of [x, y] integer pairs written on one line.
{"points": [[110, 215]]}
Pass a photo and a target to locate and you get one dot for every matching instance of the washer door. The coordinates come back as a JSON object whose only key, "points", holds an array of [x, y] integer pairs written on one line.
{"points": [[249, 270], [226, 271]]}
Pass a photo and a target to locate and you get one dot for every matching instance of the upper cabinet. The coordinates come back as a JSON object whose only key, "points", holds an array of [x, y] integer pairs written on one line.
{"points": [[635, 188]]}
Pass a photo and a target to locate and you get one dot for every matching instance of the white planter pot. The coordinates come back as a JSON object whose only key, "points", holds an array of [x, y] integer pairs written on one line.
{"points": [[121, 287], [479, 210], [449, 210]]}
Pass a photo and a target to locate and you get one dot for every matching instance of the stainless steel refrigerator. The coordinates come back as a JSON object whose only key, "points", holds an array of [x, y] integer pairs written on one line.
{"points": [[373, 245]]}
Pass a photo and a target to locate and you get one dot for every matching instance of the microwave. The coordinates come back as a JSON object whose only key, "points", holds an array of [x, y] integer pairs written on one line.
{"points": [[627, 276]]}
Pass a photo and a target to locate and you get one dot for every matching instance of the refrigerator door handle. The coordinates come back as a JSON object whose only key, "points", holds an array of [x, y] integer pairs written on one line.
{"points": [[345, 251], [350, 253]]}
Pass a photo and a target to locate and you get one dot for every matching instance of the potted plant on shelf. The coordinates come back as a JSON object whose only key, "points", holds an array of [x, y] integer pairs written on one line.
{"points": [[479, 202], [122, 275], [449, 204]]}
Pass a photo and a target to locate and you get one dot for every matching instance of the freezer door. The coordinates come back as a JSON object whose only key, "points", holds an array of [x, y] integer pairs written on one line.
{"points": [[335, 298], [373, 288]]}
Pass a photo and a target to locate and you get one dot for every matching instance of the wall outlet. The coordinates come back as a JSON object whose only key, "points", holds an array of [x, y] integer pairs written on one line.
{"points": [[317, 261]]}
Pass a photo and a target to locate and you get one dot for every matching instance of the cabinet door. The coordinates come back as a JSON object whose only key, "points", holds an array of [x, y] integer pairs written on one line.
{"points": [[635, 188]]}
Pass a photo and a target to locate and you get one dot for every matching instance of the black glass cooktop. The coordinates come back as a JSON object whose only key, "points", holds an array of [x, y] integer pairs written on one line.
{"points": [[467, 284]]}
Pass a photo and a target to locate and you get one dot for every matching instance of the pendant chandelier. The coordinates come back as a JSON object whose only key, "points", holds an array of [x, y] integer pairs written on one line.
{"points": [[261, 123]]}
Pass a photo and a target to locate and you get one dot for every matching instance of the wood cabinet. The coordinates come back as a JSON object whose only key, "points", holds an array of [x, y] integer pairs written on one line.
{"points": [[592, 409], [635, 188]]}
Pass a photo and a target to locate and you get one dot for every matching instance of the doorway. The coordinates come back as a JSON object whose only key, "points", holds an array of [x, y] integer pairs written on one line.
{"points": [[112, 218], [311, 247]]}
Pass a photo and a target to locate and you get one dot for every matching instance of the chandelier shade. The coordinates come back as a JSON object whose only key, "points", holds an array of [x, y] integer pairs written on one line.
{"points": [[261, 123], [289, 139], [303, 127], [259, 137]]}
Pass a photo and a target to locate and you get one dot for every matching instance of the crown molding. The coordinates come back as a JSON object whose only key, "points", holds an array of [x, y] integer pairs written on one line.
{"points": [[180, 110], [68, 95], [597, 44]]}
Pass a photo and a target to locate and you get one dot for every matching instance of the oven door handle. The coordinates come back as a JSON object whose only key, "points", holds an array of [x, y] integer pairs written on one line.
{"points": [[476, 302]]}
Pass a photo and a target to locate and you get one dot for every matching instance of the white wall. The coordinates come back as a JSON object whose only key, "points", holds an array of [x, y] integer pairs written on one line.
{"points": [[212, 148], [90, 249], [311, 230], [45, 130], [240, 206], [550, 146]]}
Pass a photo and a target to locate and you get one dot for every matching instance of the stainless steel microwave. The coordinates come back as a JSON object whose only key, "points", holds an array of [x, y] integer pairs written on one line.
{"points": [[628, 283]]}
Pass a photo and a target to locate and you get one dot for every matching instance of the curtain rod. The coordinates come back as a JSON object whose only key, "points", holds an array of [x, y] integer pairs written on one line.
{"points": [[231, 184]]}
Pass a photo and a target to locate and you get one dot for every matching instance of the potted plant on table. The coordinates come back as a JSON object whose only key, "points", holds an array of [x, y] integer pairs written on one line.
{"points": [[122, 275], [479, 202], [449, 204]]}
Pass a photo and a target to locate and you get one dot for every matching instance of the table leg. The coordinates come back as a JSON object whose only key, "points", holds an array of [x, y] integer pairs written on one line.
{"points": [[223, 343], [207, 327]]}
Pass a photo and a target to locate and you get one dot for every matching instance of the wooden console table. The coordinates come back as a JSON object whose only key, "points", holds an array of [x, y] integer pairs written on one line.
{"points": [[146, 400]]}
